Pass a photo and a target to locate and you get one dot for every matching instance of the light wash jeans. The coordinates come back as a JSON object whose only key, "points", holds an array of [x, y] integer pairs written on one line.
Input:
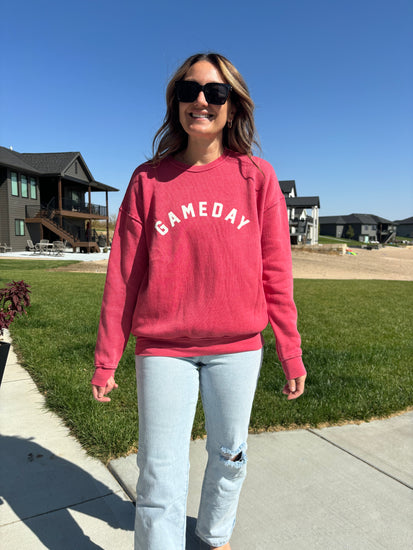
{"points": [[167, 396]]}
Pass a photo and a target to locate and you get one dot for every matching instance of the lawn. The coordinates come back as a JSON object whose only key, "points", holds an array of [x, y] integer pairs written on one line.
{"points": [[400, 241], [357, 347], [333, 240]]}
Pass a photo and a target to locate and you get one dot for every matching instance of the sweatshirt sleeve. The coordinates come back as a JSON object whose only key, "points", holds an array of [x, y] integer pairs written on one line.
{"points": [[126, 269], [278, 281]]}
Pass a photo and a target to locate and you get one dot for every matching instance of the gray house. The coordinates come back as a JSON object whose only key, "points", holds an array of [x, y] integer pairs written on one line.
{"points": [[404, 227], [360, 227], [48, 196], [302, 214]]}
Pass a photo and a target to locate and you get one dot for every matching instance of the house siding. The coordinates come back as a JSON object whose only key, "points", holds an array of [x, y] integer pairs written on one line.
{"points": [[17, 211], [339, 231], [4, 207], [367, 233], [76, 170], [332, 230], [33, 232], [405, 230]]}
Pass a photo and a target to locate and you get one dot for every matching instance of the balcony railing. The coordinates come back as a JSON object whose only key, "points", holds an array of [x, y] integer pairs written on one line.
{"points": [[97, 209], [76, 206]]}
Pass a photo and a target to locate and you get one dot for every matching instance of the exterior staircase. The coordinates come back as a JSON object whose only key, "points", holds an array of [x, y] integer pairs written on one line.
{"points": [[49, 219], [390, 238]]}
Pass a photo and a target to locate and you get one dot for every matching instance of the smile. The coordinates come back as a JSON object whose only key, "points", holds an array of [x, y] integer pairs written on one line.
{"points": [[207, 116]]}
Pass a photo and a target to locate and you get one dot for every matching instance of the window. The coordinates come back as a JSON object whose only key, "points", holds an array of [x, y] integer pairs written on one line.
{"points": [[14, 184], [19, 227], [33, 188], [76, 196], [25, 188]]}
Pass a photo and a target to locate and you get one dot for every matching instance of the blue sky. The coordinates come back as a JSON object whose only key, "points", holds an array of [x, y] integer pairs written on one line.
{"points": [[332, 82]]}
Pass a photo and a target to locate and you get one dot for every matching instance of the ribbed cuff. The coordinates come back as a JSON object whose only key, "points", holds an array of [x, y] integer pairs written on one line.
{"points": [[102, 375], [293, 368]]}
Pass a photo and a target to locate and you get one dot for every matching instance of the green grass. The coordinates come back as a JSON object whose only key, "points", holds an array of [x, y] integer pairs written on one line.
{"points": [[400, 240], [356, 340], [334, 240]]}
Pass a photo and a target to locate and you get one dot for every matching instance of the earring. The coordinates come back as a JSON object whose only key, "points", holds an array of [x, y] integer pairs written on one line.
{"points": [[229, 123]]}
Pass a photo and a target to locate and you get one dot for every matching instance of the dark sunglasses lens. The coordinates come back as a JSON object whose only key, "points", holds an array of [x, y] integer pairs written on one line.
{"points": [[187, 91], [216, 94]]}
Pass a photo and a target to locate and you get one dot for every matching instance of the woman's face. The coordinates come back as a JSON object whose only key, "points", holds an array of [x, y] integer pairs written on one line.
{"points": [[199, 119]]}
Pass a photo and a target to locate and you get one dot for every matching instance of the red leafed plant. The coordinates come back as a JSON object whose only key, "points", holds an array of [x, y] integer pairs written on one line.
{"points": [[14, 299]]}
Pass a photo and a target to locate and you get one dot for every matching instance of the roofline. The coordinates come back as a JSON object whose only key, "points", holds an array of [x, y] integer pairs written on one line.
{"points": [[77, 156], [92, 183], [16, 155], [29, 170], [349, 218]]}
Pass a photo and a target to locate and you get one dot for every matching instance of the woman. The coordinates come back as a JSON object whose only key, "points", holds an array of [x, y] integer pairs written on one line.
{"points": [[200, 262]]}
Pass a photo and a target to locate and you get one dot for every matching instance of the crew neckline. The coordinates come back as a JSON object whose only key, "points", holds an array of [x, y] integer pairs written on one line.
{"points": [[201, 167]]}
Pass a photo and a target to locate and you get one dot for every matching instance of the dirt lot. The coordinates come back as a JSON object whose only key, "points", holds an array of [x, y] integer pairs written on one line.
{"points": [[99, 266], [386, 263]]}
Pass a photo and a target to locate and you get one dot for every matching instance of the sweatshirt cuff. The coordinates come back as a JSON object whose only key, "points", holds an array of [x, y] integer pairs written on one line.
{"points": [[102, 375], [293, 368]]}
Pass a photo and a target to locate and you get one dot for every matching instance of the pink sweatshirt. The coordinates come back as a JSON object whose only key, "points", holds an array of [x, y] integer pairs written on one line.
{"points": [[200, 262]]}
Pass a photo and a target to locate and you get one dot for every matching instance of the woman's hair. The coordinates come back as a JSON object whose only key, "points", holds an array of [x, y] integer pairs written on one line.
{"points": [[171, 138]]}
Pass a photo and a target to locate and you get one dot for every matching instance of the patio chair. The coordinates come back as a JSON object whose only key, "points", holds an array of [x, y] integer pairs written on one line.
{"points": [[5, 248], [58, 248], [31, 247]]}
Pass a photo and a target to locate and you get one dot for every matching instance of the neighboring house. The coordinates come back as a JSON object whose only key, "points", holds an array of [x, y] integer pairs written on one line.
{"points": [[48, 196], [404, 227], [359, 227], [303, 225]]}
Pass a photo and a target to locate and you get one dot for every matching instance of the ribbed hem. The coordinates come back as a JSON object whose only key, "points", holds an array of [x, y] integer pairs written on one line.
{"points": [[166, 348], [102, 375], [293, 368]]}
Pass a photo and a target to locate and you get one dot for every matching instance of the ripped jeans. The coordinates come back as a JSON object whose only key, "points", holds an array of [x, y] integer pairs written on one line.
{"points": [[168, 390]]}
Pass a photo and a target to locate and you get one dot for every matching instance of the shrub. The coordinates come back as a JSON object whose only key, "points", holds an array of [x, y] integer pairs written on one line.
{"points": [[14, 299]]}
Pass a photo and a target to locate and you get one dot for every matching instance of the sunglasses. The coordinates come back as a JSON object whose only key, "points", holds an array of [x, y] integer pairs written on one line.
{"points": [[215, 93]]}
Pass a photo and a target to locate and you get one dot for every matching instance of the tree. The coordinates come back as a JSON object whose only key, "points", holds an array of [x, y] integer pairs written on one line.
{"points": [[350, 232]]}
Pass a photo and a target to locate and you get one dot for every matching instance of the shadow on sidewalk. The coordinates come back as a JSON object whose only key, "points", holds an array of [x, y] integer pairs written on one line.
{"points": [[41, 487]]}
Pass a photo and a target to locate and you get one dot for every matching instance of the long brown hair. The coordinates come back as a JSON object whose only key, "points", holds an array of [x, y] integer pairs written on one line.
{"points": [[171, 138]]}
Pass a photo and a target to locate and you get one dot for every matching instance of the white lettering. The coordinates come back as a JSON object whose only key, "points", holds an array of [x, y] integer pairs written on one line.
{"points": [[188, 210], [231, 216], [173, 219], [243, 222], [217, 210], [161, 228], [202, 209]]}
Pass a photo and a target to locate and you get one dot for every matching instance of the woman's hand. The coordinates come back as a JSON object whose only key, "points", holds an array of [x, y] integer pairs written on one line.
{"points": [[295, 387], [99, 392]]}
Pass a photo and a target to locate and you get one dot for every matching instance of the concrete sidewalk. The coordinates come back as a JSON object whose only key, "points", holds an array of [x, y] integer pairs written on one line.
{"points": [[67, 255], [52, 494], [338, 488]]}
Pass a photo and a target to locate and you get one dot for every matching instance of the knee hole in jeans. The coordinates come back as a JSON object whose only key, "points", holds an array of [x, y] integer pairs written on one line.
{"points": [[235, 459]]}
